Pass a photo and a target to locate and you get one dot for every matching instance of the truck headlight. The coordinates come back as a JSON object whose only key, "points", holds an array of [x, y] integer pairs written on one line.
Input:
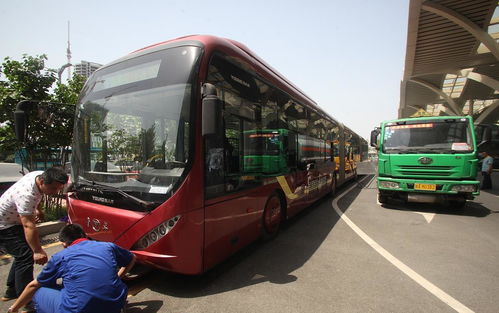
{"points": [[389, 184], [464, 188]]}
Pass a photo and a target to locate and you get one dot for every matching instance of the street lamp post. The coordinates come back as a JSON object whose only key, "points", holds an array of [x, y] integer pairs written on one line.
{"points": [[61, 70]]}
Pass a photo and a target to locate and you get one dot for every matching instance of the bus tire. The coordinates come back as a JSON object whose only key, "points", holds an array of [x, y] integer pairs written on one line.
{"points": [[272, 217]]}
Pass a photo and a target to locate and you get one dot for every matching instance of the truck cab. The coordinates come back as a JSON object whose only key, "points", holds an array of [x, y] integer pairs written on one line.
{"points": [[427, 159]]}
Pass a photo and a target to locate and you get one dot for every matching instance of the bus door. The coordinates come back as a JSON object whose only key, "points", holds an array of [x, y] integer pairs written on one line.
{"points": [[349, 161], [231, 215], [233, 201], [305, 174], [315, 167], [293, 180]]}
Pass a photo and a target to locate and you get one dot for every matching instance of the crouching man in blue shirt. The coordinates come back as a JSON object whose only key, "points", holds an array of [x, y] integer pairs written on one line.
{"points": [[90, 280]]}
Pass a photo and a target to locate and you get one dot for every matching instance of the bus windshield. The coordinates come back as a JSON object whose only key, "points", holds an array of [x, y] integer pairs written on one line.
{"points": [[432, 136], [133, 125]]}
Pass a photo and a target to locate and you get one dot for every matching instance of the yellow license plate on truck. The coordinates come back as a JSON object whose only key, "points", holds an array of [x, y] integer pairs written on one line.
{"points": [[430, 187]]}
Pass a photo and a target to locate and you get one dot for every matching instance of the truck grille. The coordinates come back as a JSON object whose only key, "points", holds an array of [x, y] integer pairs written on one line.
{"points": [[422, 171]]}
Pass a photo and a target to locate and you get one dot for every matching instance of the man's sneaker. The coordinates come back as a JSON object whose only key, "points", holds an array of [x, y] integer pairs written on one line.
{"points": [[10, 294]]}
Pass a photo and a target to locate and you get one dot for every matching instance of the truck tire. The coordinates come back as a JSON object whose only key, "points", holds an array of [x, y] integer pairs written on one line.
{"points": [[382, 198], [459, 204]]}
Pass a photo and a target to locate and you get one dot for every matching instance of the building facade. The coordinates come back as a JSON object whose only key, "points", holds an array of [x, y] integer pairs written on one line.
{"points": [[86, 68]]}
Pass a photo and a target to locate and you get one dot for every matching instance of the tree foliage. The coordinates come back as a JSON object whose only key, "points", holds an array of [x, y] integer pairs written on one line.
{"points": [[51, 116]]}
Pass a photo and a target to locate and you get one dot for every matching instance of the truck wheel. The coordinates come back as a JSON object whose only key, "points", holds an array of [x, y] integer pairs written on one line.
{"points": [[458, 204], [382, 199]]}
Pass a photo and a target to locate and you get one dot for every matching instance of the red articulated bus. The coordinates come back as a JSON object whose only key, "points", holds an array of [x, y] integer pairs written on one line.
{"points": [[160, 143]]}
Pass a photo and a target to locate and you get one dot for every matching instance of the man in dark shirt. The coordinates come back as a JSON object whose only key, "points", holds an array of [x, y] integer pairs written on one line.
{"points": [[91, 283]]}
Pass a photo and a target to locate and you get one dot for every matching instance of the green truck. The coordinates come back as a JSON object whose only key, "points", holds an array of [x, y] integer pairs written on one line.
{"points": [[427, 160]]}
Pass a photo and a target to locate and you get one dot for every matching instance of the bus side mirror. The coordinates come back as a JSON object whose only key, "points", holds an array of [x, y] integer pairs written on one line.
{"points": [[374, 138], [211, 110], [20, 125], [21, 119]]}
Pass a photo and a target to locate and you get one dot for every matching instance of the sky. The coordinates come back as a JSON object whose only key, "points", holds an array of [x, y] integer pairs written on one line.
{"points": [[346, 55]]}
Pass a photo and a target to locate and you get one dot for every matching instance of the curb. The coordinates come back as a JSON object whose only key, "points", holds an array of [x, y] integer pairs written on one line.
{"points": [[48, 228]]}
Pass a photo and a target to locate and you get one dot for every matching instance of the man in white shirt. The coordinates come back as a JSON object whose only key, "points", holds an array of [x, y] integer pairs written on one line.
{"points": [[18, 233]]}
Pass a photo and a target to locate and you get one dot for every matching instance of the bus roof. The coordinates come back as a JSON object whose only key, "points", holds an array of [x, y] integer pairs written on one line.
{"points": [[209, 40]]}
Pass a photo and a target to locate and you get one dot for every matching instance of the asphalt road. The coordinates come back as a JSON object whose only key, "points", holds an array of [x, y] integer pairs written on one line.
{"points": [[347, 254]]}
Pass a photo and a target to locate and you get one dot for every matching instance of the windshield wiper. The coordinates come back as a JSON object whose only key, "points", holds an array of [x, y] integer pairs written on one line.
{"points": [[429, 150], [398, 151], [91, 183]]}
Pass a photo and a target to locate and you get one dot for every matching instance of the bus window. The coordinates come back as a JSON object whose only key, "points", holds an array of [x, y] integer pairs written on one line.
{"points": [[290, 147], [242, 112], [269, 106]]}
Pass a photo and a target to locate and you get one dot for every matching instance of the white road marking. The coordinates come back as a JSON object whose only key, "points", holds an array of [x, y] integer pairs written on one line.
{"points": [[427, 216], [437, 292]]}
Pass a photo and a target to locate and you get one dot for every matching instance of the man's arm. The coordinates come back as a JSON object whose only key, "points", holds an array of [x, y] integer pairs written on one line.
{"points": [[33, 239], [39, 214], [25, 296], [122, 272]]}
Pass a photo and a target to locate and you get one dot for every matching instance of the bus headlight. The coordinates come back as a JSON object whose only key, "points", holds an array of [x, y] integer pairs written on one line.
{"points": [[156, 234], [464, 188], [389, 184]]}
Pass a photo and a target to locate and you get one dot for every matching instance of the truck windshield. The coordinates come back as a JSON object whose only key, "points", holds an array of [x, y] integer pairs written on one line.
{"points": [[133, 126], [432, 136]]}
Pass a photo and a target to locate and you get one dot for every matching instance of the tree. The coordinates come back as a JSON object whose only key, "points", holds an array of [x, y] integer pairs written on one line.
{"points": [[26, 79], [51, 119]]}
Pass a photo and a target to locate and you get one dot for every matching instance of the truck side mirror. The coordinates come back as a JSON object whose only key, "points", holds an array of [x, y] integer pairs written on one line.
{"points": [[211, 110], [374, 138], [486, 136]]}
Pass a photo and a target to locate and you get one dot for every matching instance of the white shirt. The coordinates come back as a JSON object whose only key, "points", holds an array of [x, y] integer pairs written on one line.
{"points": [[22, 198]]}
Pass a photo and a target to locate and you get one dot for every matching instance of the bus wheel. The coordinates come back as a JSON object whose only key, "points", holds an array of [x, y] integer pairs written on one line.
{"points": [[272, 217]]}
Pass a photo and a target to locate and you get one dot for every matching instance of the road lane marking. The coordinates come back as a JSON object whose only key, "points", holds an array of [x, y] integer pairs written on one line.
{"points": [[427, 216], [439, 293]]}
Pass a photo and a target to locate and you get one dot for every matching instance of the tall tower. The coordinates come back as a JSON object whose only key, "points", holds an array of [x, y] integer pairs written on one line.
{"points": [[68, 54]]}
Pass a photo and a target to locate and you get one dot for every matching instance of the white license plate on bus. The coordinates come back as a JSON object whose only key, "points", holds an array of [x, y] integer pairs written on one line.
{"points": [[430, 187]]}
